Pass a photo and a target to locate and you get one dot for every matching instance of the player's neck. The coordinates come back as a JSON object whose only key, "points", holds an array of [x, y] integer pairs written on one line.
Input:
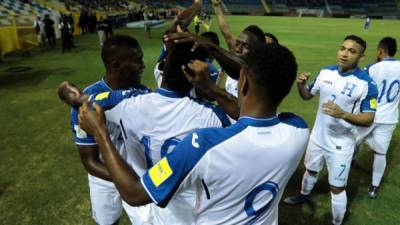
{"points": [[253, 107]]}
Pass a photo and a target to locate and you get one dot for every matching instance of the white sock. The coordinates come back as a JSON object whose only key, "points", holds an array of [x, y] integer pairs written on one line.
{"points": [[339, 203], [308, 183], [378, 169]]}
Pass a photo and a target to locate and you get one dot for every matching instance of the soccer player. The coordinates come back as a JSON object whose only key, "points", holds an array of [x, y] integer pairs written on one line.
{"points": [[347, 99], [152, 124], [123, 59], [250, 36], [240, 172], [386, 74]]}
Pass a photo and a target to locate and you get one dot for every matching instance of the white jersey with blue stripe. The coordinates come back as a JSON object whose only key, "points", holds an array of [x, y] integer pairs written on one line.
{"points": [[386, 75], [239, 173], [153, 124], [354, 92]]}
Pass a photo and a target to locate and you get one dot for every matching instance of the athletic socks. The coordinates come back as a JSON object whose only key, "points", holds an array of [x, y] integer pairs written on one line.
{"points": [[308, 183], [378, 169], [339, 203]]}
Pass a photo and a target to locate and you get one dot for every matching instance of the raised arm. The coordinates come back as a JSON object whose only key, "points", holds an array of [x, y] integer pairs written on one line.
{"points": [[185, 18], [71, 94], [302, 86], [125, 179], [223, 26]]}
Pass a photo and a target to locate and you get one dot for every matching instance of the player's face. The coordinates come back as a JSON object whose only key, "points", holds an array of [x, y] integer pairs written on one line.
{"points": [[132, 68], [349, 55], [243, 44], [380, 54]]}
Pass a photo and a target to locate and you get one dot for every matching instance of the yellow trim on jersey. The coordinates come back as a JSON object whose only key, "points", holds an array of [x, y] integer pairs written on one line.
{"points": [[373, 103], [102, 96], [160, 172]]}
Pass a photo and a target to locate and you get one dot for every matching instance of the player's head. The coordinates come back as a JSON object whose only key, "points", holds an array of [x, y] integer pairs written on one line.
{"points": [[211, 36], [270, 38], [350, 52], [268, 74], [250, 36], [123, 58], [179, 55], [387, 47]]}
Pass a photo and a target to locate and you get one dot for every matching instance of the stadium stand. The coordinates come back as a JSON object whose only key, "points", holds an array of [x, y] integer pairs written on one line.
{"points": [[20, 9]]}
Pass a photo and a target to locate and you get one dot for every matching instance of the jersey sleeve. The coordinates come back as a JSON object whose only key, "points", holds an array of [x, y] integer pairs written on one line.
{"points": [[109, 99], [80, 136], [163, 180], [314, 86], [369, 102]]}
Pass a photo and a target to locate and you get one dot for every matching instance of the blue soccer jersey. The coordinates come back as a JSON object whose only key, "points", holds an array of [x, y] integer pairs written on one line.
{"points": [[239, 173]]}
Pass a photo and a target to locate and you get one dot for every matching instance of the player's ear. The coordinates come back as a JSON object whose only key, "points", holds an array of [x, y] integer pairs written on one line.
{"points": [[243, 83]]}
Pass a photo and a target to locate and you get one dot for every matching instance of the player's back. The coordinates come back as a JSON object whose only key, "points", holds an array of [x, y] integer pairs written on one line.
{"points": [[247, 173], [386, 75], [153, 124]]}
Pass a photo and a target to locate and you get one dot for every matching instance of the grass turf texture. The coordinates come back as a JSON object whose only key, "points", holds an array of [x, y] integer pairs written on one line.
{"points": [[43, 182]]}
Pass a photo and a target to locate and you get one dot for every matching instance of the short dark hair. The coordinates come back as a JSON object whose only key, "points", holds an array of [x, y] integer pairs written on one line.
{"points": [[115, 48], [389, 45], [274, 39], [358, 40], [257, 32], [273, 68], [212, 36], [180, 55]]}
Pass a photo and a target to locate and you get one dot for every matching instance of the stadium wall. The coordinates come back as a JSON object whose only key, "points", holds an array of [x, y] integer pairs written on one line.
{"points": [[8, 39]]}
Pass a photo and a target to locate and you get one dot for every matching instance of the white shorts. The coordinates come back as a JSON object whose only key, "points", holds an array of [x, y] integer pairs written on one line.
{"points": [[338, 164], [377, 136], [107, 204]]}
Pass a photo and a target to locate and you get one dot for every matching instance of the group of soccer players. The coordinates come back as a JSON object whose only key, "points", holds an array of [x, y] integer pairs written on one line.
{"points": [[171, 156]]}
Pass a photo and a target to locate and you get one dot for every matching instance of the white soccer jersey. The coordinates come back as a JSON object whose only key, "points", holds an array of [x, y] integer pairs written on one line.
{"points": [[239, 172], [386, 75], [354, 92], [152, 125], [231, 86]]}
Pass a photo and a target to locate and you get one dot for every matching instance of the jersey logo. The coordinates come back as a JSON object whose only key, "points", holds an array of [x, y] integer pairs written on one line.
{"points": [[373, 103], [348, 89], [102, 96], [194, 140], [160, 172]]}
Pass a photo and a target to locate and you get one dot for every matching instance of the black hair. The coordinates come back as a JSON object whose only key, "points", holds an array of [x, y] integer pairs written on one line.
{"points": [[115, 48], [389, 45], [274, 39], [257, 32], [358, 40], [212, 36], [272, 68], [180, 55]]}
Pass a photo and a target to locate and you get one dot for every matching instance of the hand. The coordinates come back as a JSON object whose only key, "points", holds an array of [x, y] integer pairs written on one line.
{"points": [[303, 78], [186, 37], [92, 121], [200, 78], [334, 110], [70, 94]]}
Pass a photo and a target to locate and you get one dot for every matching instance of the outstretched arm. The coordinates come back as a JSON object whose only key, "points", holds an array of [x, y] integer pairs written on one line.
{"points": [[185, 18], [223, 26], [125, 179], [201, 80]]}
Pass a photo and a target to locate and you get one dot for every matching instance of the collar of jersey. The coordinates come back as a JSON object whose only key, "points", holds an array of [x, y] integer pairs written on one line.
{"points": [[259, 122], [351, 72], [105, 85], [389, 59], [169, 93]]}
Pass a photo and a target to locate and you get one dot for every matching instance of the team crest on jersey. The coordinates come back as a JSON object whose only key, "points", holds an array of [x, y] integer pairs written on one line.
{"points": [[373, 103], [102, 96], [160, 172]]}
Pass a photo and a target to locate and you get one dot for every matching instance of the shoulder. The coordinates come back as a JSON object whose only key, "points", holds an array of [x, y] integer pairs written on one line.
{"points": [[363, 75], [292, 120], [331, 68], [216, 110], [94, 88]]}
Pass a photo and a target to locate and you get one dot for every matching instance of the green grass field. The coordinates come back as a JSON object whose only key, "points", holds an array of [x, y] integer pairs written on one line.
{"points": [[42, 180]]}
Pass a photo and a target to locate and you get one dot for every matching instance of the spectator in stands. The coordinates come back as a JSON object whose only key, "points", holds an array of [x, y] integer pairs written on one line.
{"points": [[49, 30], [40, 33]]}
